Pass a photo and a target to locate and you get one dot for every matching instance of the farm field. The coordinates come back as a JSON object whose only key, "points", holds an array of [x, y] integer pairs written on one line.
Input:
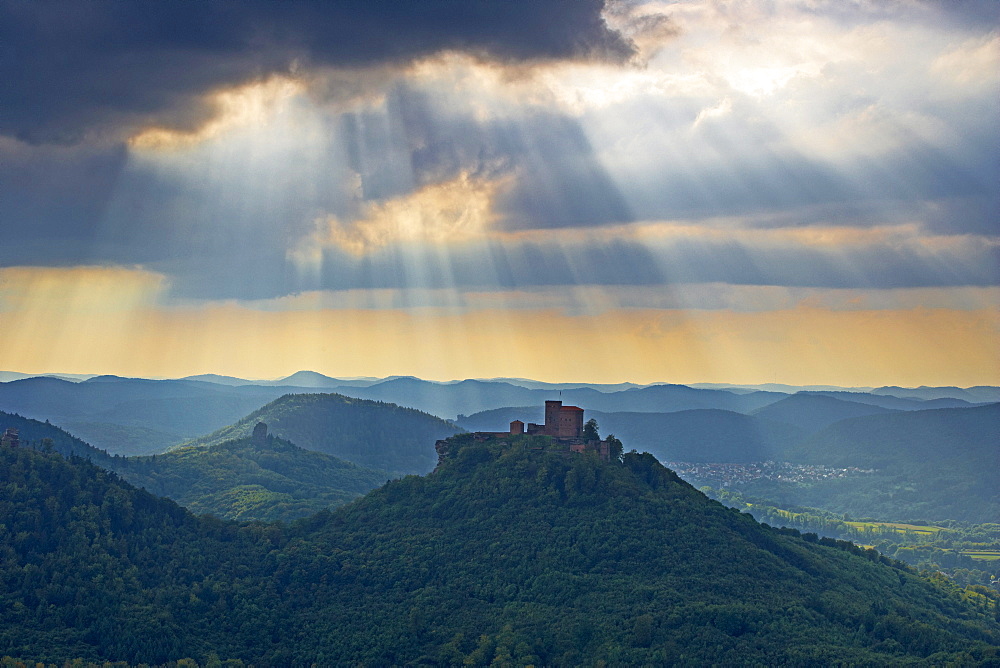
{"points": [[983, 555]]}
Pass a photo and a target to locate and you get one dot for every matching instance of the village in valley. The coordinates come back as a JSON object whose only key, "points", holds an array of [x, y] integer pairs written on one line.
{"points": [[726, 474]]}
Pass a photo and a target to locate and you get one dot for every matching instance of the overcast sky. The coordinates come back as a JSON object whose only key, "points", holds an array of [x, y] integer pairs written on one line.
{"points": [[801, 191]]}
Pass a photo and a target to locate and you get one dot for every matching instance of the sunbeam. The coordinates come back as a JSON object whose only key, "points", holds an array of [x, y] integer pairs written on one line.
{"points": [[740, 184]]}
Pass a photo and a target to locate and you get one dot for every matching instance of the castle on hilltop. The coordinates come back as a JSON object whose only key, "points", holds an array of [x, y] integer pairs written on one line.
{"points": [[563, 424]]}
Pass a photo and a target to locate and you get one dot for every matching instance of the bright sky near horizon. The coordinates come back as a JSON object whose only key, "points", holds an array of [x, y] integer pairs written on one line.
{"points": [[794, 191]]}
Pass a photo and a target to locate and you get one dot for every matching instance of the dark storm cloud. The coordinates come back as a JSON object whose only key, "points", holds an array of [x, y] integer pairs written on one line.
{"points": [[52, 201], [950, 194], [226, 226], [68, 67]]}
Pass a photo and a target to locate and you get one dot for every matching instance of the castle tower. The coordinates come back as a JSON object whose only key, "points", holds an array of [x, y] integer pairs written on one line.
{"points": [[570, 422], [552, 410], [10, 438]]}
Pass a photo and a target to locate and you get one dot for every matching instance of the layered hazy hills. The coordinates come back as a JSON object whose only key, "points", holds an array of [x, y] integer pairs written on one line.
{"points": [[977, 394], [248, 479], [895, 403], [133, 416], [239, 479], [372, 434], [472, 396], [934, 464], [700, 435], [812, 412], [929, 465], [137, 416], [772, 432], [503, 555], [936, 437]]}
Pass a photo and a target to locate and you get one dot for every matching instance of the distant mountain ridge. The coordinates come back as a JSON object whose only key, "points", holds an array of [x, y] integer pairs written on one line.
{"points": [[812, 412], [893, 402], [889, 438], [141, 416], [977, 394]]}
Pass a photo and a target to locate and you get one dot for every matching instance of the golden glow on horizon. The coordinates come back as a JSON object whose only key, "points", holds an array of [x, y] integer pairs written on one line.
{"points": [[81, 289], [834, 238], [99, 320]]}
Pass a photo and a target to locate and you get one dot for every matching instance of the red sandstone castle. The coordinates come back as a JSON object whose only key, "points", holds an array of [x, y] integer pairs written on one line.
{"points": [[562, 423], [10, 438]]}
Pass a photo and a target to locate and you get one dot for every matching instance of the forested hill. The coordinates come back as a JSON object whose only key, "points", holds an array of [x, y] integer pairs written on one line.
{"points": [[33, 433], [248, 479], [93, 568], [372, 434], [504, 555], [239, 479], [898, 440]]}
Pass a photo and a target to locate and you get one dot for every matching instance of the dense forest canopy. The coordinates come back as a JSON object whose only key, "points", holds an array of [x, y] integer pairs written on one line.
{"points": [[505, 553]]}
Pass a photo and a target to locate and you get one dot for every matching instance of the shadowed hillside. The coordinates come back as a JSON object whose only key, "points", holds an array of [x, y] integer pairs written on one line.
{"points": [[812, 412], [242, 479], [251, 479], [372, 434], [34, 432]]}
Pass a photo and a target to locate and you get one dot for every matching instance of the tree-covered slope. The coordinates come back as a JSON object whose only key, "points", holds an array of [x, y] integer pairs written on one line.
{"points": [[372, 434], [938, 437], [248, 479], [239, 479], [32, 433], [506, 555], [124, 439], [515, 554], [92, 568]]}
